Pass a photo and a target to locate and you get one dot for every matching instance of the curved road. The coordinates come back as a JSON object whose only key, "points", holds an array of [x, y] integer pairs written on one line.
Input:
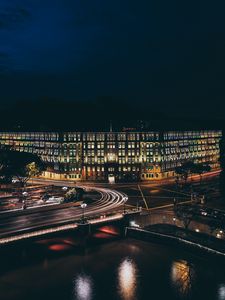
{"points": [[108, 201]]}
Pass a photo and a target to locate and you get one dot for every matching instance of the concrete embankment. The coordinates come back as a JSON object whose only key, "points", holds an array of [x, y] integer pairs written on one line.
{"points": [[163, 238]]}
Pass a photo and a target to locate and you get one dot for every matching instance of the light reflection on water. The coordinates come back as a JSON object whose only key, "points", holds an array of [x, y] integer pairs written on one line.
{"points": [[127, 279], [182, 277], [221, 292], [120, 270], [83, 287]]}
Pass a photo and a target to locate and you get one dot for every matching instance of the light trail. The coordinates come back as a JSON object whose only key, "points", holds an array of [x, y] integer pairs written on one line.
{"points": [[36, 233], [18, 225]]}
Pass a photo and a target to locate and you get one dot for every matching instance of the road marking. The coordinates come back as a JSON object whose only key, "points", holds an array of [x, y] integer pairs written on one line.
{"points": [[159, 207], [143, 196], [168, 205], [158, 197], [175, 192]]}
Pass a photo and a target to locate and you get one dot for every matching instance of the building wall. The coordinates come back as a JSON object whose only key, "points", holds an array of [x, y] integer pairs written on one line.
{"points": [[126, 155]]}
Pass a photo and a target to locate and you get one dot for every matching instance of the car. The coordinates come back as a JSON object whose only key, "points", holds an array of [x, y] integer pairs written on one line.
{"points": [[15, 180], [55, 199], [204, 213]]}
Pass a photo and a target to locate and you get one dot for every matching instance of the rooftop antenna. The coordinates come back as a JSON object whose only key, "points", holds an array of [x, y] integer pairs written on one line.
{"points": [[110, 126]]}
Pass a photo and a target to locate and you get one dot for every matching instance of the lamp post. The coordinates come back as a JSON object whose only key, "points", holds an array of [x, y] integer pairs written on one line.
{"points": [[137, 206], [25, 194], [174, 220], [174, 203], [124, 201], [83, 206]]}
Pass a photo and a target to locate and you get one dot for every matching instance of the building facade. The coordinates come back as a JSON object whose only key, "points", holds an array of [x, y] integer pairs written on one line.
{"points": [[117, 156]]}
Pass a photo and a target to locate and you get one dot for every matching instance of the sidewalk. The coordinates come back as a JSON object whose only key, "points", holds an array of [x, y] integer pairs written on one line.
{"points": [[162, 181]]}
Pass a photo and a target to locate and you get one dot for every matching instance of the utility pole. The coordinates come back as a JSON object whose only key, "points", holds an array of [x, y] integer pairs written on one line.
{"points": [[174, 203]]}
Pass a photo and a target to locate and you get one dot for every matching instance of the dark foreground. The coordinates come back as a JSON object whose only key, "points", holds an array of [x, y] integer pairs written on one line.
{"points": [[59, 268]]}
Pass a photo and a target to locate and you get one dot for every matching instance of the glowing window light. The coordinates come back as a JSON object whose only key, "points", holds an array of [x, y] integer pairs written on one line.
{"points": [[111, 156]]}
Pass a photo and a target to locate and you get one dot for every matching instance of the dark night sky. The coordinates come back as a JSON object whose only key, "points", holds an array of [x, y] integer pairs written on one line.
{"points": [[170, 54]]}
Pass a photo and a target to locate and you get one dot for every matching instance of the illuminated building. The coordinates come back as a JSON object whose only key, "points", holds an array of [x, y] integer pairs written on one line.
{"points": [[122, 155]]}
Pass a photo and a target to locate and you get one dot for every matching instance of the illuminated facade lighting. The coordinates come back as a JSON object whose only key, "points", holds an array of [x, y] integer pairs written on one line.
{"points": [[117, 155]]}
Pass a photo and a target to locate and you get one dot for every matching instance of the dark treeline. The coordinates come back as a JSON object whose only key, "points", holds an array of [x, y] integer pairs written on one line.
{"points": [[61, 115]]}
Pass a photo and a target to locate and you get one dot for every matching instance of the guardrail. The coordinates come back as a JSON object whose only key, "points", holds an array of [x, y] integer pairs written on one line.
{"points": [[62, 226], [174, 240], [154, 218]]}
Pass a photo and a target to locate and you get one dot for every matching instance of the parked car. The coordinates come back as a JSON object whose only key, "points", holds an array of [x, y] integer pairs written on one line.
{"points": [[15, 180], [55, 199]]}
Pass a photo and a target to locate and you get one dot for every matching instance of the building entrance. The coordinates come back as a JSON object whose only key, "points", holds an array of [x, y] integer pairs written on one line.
{"points": [[111, 178]]}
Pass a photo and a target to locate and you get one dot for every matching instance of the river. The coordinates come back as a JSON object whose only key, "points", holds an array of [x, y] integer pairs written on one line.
{"points": [[123, 269]]}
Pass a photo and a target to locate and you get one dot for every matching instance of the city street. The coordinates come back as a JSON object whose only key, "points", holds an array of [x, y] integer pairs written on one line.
{"points": [[108, 201], [152, 194], [106, 198]]}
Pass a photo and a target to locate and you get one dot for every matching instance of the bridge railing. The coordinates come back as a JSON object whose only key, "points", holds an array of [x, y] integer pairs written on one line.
{"points": [[41, 230]]}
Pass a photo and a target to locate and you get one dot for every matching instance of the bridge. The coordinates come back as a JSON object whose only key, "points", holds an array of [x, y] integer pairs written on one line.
{"points": [[33, 223]]}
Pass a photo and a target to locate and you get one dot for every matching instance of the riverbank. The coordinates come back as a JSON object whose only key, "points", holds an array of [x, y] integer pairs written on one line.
{"points": [[173, 235]]}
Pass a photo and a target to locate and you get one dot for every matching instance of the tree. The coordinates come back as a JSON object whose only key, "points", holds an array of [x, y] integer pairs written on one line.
{"points": [[201, 168], [180, 175], [189, 168], [5, 173], [70, 195], [184, 171], [35, 168], [21, 165], [185, 216]]}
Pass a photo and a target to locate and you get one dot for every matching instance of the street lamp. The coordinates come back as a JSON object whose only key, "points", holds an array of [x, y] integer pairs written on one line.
{"points": [[25, 194], [124, 201], [174, 203], [83, 206], [137, 206]]}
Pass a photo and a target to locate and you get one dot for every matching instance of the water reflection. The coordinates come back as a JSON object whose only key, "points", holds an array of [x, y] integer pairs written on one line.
{"points": [[127, 279], [182, 276], [83, 287], [221, 292]]}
